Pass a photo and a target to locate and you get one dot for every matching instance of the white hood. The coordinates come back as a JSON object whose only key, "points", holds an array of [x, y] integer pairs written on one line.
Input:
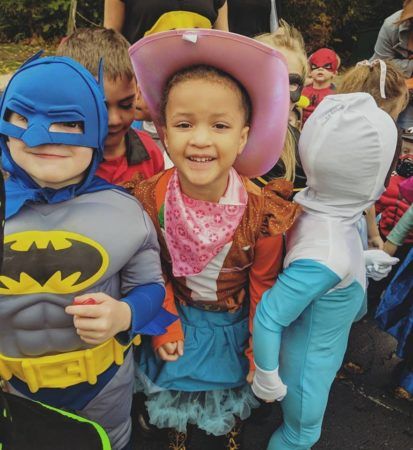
{"points": [[346, 149]]}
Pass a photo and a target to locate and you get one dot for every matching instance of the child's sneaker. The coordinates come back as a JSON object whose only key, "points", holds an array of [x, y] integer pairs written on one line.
{"points": [[177, 440], [402, 394]]}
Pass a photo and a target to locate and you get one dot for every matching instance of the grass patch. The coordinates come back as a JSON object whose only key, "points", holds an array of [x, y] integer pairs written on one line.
{"points": [[12, 55]]}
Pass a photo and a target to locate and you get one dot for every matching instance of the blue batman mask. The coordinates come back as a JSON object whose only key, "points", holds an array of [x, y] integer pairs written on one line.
{"points": [[49, 91]]}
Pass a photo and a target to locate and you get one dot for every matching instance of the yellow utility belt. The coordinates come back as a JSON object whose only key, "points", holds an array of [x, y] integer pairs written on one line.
{"points": [[65, 369]]}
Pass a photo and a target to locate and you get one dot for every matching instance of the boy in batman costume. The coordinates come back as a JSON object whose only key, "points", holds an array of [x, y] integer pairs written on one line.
{"points": [[23, 421], [81, 276]]}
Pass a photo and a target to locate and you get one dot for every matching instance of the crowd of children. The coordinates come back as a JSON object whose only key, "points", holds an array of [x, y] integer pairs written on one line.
{"points": [[215, 255]]}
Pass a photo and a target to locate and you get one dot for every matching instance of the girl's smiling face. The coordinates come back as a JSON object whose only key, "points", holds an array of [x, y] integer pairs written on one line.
{"points": [[205, 130]]}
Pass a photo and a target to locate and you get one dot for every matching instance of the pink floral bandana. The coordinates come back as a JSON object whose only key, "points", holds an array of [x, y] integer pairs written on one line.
{"points": [[197, 230]]}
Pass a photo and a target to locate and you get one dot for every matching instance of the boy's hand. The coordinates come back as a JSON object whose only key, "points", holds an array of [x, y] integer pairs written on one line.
{"points": [[171, 351], [96, 323], [250, 376]]}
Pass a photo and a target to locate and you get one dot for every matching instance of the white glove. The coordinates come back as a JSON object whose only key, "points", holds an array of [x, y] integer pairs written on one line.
{"points": [[378, 263], [268, 385]]}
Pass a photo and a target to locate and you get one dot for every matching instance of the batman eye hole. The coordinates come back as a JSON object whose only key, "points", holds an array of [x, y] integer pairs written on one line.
{"points": [[75, 127], [15, 118]]}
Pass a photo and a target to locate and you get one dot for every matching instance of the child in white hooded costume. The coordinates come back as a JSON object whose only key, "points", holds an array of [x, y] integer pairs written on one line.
{"points": [[302, 324]]}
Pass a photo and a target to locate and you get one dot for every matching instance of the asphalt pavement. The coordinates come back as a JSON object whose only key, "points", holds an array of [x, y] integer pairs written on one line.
{"points": [[362, 413]]}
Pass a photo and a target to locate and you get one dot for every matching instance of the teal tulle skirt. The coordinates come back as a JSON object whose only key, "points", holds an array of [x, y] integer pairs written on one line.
{"points": [[215, 412], [207, 386]]}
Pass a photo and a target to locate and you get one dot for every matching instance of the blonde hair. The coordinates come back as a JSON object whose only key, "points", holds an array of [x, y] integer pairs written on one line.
{"points": [[366, 78], [89, 46], [289, 38]]}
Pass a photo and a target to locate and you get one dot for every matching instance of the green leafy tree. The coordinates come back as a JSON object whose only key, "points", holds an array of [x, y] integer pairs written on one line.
{"points": [[32, 19], [339, 24]]}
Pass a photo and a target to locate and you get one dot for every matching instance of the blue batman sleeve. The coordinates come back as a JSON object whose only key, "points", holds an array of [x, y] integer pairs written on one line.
{"points": [[148, 316], [142, 285], [301, 283]]}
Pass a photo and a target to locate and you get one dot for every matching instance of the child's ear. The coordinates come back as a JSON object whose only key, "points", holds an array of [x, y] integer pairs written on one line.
{"points": [[243, 139]]}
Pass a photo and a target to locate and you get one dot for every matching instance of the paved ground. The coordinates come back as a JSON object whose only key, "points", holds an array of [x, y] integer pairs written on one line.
{"points": [[362, 414]]}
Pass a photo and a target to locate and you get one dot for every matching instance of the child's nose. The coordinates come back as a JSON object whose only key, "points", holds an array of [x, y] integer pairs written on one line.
{"points": [[201, 137], [114, 117]]}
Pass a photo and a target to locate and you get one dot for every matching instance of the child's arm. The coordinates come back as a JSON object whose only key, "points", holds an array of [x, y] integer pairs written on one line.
{"points": [[263, 274], [300, 284], [384, 49], [169, 346], [140, 308], [397, 236], [375, 240], [278, 215], [222, 20], [142, 285], [114, 14]]}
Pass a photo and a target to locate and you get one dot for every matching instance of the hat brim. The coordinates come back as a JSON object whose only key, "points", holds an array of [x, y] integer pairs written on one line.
{"points": [[260, 69]]}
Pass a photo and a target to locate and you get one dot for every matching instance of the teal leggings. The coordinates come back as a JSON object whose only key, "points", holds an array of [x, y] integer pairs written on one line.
{"points": [[312, 351]]}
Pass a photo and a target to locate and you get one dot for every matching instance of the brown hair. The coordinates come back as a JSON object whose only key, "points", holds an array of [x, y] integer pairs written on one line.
{"points": [[90, 45], [204, 72], [366, 78], [291, 39]]}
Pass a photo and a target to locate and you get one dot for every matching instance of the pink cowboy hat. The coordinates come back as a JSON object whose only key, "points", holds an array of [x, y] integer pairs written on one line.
{"points": [[261, 70]]}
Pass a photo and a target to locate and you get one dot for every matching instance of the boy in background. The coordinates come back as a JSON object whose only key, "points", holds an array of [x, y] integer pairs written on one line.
{"points": [[391, 206], [324, 64], [127, 151]]}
